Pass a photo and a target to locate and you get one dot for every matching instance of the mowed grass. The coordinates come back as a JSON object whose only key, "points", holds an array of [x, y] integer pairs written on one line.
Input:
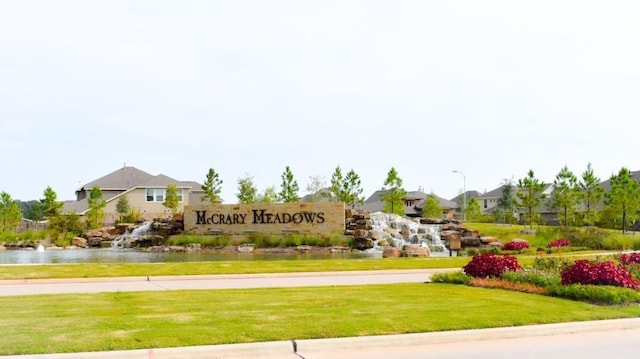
{"points": [[138, 320]]}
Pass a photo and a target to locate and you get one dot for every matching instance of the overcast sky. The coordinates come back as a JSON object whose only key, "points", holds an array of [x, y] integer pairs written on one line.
{"points": [[488, 88]]}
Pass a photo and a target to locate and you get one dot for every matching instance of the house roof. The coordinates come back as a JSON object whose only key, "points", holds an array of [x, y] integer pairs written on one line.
{"points": [[120, 179], [375, 203]]}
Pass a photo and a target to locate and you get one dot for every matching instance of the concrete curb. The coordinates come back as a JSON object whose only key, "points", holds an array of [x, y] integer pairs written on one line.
{"points": [[284, 349]]}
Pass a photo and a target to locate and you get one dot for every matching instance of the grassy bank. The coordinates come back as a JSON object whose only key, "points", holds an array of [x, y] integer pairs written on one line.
{"points": [[130, 320]]}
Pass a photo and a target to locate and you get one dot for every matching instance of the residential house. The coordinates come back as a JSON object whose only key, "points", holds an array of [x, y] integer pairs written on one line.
{"points": [[413, 203], [144, 192]]}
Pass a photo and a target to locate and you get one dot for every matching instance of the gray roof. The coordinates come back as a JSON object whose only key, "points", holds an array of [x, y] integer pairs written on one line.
{"points": [[121, 179]]}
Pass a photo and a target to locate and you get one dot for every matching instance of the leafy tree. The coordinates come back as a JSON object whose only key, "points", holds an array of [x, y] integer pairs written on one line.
{"points": [[247, 191], [268, 196], [31, 210], [530, 195], [289, 187], [315, 188], [591, 195], [62, 225], [566, 194], [50, 205], [507, 201], [624, 196], [122, 207], [10, 213], [95, 214], [337, 184], [212, 187], [431, 207], [394, 194], [171, 199], [352, 189], [474, 212]]}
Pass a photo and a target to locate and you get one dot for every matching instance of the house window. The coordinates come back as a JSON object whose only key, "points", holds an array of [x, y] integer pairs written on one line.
{"points": [[155, 195], [158, 194]]}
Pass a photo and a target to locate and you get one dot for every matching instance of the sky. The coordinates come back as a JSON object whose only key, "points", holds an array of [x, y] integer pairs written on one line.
{"points": [[491, 89]]}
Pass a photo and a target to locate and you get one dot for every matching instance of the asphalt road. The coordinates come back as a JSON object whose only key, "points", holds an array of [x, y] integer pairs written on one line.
{"points": [[598, 339]]}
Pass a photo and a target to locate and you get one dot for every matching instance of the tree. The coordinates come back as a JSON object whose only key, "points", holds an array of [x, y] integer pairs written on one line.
{"points": [[10, 213], [431, 207], [212, 187], [95, 214], [247, 191], [288, 188], [268, 196], [337, 183], [566, 194], [507, 201], [473, 210], [624, 196], [63, 224], [316, 188], [393, 194], [171, 199], [50, 205], [530, 195], [591, 194], [122, 207], [352, 189]]}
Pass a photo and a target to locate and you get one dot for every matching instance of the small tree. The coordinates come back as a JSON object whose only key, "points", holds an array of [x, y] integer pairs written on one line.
{"points": [[624, 196], [431, 207], [10, 213], [50, 205], [315, 188], [352, 189], [507, 201], [337, 184], [474, 213], [289, 187], [530, 195], [212, 187], [393, 194], [591, 194], [171, 199], [95, 214], [566, 194], [62, 225], [268, 196], [122, 207], [247, 191]]}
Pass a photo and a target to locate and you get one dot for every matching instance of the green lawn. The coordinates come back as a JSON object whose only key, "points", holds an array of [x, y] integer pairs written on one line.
{"points": [[130, 320]]}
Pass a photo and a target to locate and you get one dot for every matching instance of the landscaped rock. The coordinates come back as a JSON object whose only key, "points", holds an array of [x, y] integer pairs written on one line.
{"points": [[416, 251], [79, 242], [362, 243], [488, 239], [378, 235], [391, 252]]}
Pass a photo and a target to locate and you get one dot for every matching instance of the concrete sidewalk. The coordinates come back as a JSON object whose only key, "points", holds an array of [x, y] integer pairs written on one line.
{"points": [[324, 347]]}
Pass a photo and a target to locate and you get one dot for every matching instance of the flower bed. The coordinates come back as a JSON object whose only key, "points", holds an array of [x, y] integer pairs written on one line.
{"points": [[490, 265], [561, 242], [515, 246], [603, 273]]}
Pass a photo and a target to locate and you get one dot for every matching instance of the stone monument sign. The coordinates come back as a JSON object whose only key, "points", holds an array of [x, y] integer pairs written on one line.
{"points": [[268, 218]]}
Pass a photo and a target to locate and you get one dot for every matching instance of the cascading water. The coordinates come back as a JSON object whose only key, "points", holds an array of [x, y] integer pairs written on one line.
{"points": [[416, 233], [141, 230]]}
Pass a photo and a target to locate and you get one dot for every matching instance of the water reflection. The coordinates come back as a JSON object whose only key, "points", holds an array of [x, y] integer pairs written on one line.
{"points": [[110, 255]]}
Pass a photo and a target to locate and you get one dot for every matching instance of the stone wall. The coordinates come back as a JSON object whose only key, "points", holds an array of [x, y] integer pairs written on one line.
{"points": [[275, 218]]}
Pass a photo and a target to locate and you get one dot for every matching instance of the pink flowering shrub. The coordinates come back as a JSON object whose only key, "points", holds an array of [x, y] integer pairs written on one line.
{"points": [[515, 246], [629, 259], [561, 242], [603, 273], [490, 265]]}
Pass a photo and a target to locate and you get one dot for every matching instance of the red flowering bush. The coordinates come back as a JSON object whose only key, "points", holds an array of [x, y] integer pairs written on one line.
{"points": [[629, 259], [561, 242], [490, 265], [515, 246], [603, 273]]}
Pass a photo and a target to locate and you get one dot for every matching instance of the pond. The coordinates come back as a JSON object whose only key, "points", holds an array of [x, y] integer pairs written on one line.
{"points": [[116, 255]]}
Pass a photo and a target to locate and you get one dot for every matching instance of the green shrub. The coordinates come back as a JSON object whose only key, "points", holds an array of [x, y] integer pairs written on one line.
{"points": [[451, 277], [590, 237], [599, 294], [533, 276], [551, 264]]}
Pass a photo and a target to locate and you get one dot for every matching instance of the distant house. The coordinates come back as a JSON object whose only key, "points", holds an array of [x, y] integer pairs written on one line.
{"points": [[489, 204], [144, 192], [413, 204]]}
